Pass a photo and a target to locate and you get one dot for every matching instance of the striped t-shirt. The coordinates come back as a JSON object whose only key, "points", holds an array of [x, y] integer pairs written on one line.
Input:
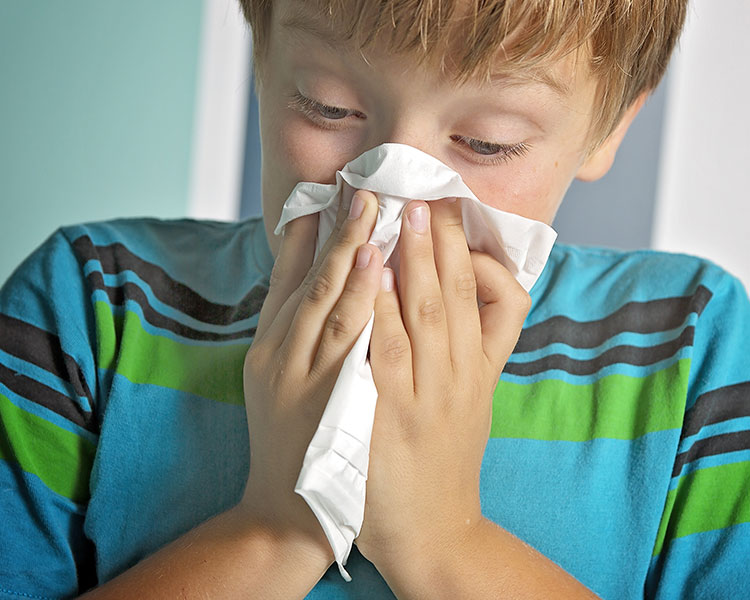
{"points": [[620, 441]]}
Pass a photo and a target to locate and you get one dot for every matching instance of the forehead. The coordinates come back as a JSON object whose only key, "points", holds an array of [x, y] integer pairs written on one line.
{"points": [[370, 27]]}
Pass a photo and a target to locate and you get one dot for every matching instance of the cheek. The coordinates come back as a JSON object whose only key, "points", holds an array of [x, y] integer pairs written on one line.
{"points": [[313, 154], [294, 151], [533, 189]]}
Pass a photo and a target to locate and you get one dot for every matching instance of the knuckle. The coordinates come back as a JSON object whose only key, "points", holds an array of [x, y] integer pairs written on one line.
{"points": [[338, 325], [466, 285], [521, 300], [356, 286], [347, 234], [258, 360], [320, 287], [430, 310], [395, 348], [346, 237], [454, 223]]}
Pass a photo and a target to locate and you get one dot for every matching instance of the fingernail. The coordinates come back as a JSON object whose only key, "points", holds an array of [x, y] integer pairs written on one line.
{"points": [[418, 218], [357, 206], [363, 257], [387, 280], [450, 200]]}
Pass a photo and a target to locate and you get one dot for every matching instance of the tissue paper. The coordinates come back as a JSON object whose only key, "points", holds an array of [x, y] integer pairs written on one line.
{"points": [[334, 471]]}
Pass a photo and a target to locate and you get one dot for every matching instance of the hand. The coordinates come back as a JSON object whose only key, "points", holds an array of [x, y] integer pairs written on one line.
{"points": [[308, 323], [436, 359]]}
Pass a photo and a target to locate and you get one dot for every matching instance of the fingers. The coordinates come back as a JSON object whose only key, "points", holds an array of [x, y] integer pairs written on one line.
{"points": [[420, 293], [310, 310], [352, 311], [292, 264], [285, 274], [457, 281], [506, 305], [390, 348]]}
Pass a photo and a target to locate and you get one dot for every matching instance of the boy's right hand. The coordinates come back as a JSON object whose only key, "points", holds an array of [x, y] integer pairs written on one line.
{"points": [[309, 322]]}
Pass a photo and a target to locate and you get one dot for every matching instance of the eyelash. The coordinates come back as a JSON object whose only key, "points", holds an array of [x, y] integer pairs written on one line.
{"points": [[500, 153]]}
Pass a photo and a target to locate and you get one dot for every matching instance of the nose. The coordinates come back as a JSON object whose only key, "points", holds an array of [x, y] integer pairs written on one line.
{"points": [[413, 130]]}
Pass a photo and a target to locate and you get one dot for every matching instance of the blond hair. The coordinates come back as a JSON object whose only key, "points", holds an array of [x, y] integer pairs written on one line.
{"points": [[628, 42]]}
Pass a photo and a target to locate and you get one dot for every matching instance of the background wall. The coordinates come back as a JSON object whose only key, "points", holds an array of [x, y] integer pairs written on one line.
{"points": [[704, 196], [102, 106], [96, 113]]}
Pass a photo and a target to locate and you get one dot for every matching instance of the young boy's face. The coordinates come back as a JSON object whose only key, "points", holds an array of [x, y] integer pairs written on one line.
{"points": [[516, 143]]}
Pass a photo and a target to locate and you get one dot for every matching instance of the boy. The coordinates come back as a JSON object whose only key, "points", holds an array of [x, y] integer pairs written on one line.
{"points": [[618, 432]]}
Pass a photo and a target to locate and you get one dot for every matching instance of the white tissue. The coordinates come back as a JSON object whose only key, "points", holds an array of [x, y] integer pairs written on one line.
{"points": [[334, 470]]}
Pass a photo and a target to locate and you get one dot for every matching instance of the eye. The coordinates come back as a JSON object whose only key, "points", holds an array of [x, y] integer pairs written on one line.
{"points": [[331, 112], [480, 147], [326, 116], [318, 111], [489, 152]]}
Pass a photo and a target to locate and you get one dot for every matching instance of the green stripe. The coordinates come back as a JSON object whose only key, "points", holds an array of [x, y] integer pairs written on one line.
{"points": [[705, 500], [615, 406], [60, 458], [211, 371]]}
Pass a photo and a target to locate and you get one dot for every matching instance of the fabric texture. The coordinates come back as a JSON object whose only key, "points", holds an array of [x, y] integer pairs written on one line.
{"points": [[620, 441]]}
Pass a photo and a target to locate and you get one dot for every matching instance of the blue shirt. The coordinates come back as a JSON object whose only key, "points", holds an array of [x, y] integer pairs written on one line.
{"points": [[620, 442]]}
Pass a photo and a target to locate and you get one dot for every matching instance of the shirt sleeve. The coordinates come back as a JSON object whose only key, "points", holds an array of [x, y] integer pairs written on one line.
{"points": [[48, 425], [703, 543]]}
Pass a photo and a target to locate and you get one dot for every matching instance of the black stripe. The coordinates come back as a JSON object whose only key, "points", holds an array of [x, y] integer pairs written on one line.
{"points": [[116, 258], [630, 355], [637, 317], [718, 444], [45, 396], [43, 349], [130, 291], [730, 402]]}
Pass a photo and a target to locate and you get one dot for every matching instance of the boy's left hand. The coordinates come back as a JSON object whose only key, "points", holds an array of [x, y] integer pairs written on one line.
{"points": [[436, 358]]}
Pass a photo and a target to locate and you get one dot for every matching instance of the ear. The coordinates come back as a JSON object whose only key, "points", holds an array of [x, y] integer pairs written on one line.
{"points": [[600, 161]]}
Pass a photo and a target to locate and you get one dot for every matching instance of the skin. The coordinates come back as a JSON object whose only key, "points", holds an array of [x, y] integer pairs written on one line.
{"points": [[396, 101], [436, 357]]}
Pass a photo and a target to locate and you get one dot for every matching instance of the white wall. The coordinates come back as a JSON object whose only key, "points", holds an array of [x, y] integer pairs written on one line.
{"points": [[224, 72], [703, 202]]}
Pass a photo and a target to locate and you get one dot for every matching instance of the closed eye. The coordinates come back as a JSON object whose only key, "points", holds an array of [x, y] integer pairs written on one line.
{"points": [[328, 117]]}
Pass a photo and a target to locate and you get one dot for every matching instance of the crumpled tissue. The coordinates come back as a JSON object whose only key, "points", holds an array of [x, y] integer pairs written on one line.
{"points": [[334, 470]]}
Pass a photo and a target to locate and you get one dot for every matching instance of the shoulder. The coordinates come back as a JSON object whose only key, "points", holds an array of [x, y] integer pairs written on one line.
{"points": [[653, 306], [177, 275], [188, 250], [585, 283]]}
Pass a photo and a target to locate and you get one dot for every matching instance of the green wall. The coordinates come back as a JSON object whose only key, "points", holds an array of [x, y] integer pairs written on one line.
{"points": [[96, 113]]}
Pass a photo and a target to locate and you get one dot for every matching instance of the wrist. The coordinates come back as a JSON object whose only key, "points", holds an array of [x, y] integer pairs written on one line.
{"points": [[488, 563], [282, 544], [431, 567]]}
